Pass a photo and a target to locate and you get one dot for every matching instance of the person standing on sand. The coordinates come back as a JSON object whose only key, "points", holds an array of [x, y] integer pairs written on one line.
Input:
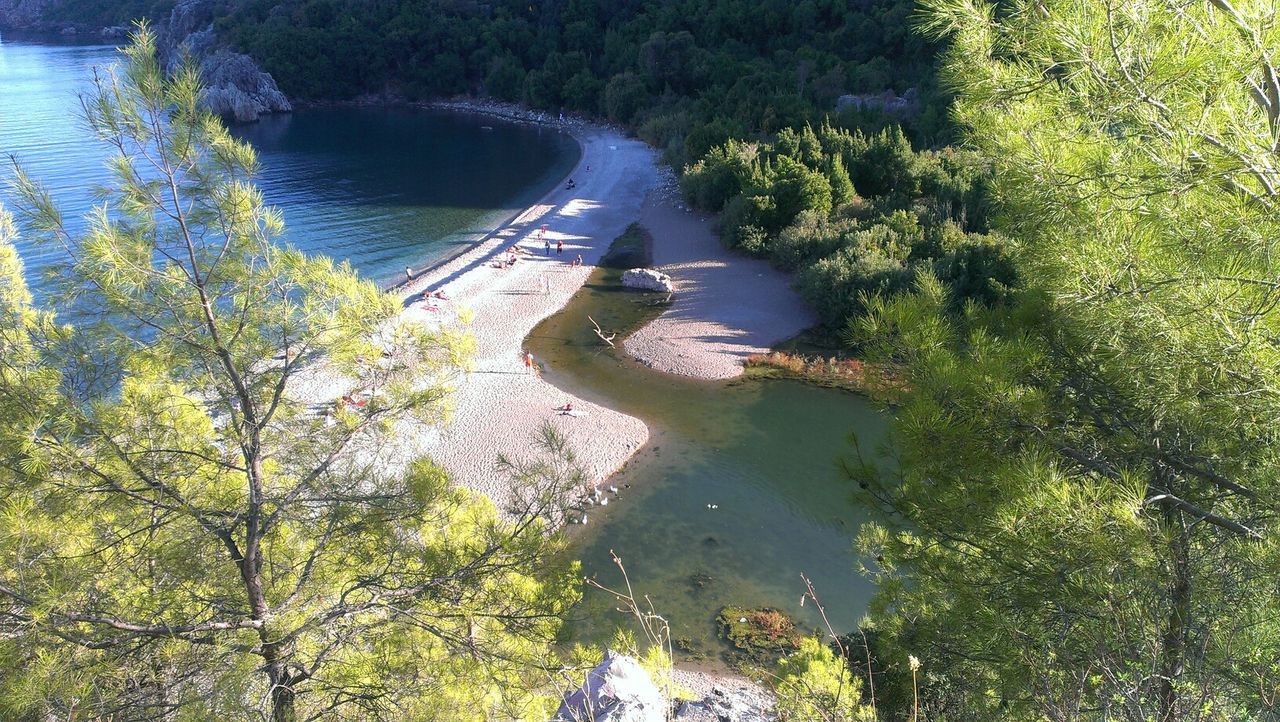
{"points": [[559, 247], [546, 247], [408, 273], [528, 361]]}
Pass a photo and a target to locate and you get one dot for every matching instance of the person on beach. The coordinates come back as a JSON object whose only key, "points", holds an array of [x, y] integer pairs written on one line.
{"points": [[546, 247], [579, 259], [559, 247], [568, 406], [528, 361], [408, 273]]}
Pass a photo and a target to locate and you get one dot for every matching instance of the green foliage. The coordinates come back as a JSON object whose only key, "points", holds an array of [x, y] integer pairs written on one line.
{"points": [[624, 97], [1079, 523], [851, 235], [725, 172], [734, 66], [814, 683], [186, 535], [873, 262]]}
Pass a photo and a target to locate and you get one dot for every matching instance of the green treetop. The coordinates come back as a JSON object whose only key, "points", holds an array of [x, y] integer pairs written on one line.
{"points": [[1081, 522], [184, 536]]}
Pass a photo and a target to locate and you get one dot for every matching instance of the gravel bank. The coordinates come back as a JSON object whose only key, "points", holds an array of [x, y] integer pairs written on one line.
{"points": [[727, 306]]}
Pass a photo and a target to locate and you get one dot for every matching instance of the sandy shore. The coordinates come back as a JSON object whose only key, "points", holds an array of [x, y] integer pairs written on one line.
{"points": [[727, 306], [500, 406]]}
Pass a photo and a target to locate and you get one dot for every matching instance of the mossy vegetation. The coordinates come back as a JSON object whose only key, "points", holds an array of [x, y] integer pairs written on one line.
{"points": [[760, 637], [632, 249]]}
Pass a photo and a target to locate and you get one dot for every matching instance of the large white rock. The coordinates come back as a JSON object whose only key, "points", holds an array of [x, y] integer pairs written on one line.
{"points": [[616, 690], [648, 279]]}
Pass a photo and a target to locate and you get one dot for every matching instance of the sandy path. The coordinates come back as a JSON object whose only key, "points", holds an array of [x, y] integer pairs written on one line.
{"points": [[727, 306], [499, 407]]}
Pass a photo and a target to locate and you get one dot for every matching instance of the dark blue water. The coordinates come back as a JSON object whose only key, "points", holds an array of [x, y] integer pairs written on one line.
{"points": [[383, 188]]}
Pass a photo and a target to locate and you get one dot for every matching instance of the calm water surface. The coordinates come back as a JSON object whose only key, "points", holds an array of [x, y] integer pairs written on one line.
{"points": [[764, 453], [381, 188]]}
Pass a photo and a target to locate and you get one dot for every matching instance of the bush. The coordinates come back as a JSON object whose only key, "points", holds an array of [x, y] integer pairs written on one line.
{"points": [[980, 269], [811, 236], [726, 171], [795, 189], [835, 285], [815, 684]]}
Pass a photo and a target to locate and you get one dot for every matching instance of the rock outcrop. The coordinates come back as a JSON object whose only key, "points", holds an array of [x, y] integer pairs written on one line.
{"points": [[647, 279], [888, 102], [722, 705], [620, 690], [616, 690], [234, 84]]}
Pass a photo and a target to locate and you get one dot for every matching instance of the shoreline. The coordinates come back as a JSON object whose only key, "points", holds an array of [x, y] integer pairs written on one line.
{"points": [[727, 306], [501, 405], [505, 112]]}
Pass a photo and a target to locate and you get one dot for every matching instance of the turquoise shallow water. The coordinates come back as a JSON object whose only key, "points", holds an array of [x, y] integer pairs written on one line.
{"points": [[383, 188]]}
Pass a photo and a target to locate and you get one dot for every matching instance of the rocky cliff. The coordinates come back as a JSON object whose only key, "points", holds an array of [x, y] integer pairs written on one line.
{"points": [[234, 84]]}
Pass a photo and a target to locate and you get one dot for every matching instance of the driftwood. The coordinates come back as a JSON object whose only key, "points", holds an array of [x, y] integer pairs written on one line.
{"points": [[607, 339]]}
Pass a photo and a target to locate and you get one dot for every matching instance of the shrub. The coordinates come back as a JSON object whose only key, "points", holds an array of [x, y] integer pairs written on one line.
{"points": [[812, 235], [835, 285], [815, 684], [726, 171], [980, 269]]}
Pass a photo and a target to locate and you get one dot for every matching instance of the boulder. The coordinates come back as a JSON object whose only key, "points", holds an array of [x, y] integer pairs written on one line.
{"points": [[907, 104], [722, 706], [616, 690], [647, 279], [234, 84]]}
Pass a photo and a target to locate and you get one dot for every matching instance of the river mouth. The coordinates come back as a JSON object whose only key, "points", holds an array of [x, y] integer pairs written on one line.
{"points": [[738, 492]]}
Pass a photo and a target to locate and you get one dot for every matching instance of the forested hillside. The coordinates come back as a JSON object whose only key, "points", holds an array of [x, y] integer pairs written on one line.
{"points": [[688, 74]]}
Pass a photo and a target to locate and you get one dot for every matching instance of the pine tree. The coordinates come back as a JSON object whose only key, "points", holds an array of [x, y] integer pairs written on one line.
{"points": [[1079, 521], [185, 535]]}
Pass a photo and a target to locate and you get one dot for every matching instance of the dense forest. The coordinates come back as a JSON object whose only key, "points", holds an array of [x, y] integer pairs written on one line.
{"points": [[688, 75]]}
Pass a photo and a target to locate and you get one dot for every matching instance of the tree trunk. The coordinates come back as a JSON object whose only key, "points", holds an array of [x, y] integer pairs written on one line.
{"points": [[1174, 641], [282, 694]]}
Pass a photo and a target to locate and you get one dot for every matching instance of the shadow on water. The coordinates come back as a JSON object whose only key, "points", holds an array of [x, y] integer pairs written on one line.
{"points": [[382, 188], [765, 454]]}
